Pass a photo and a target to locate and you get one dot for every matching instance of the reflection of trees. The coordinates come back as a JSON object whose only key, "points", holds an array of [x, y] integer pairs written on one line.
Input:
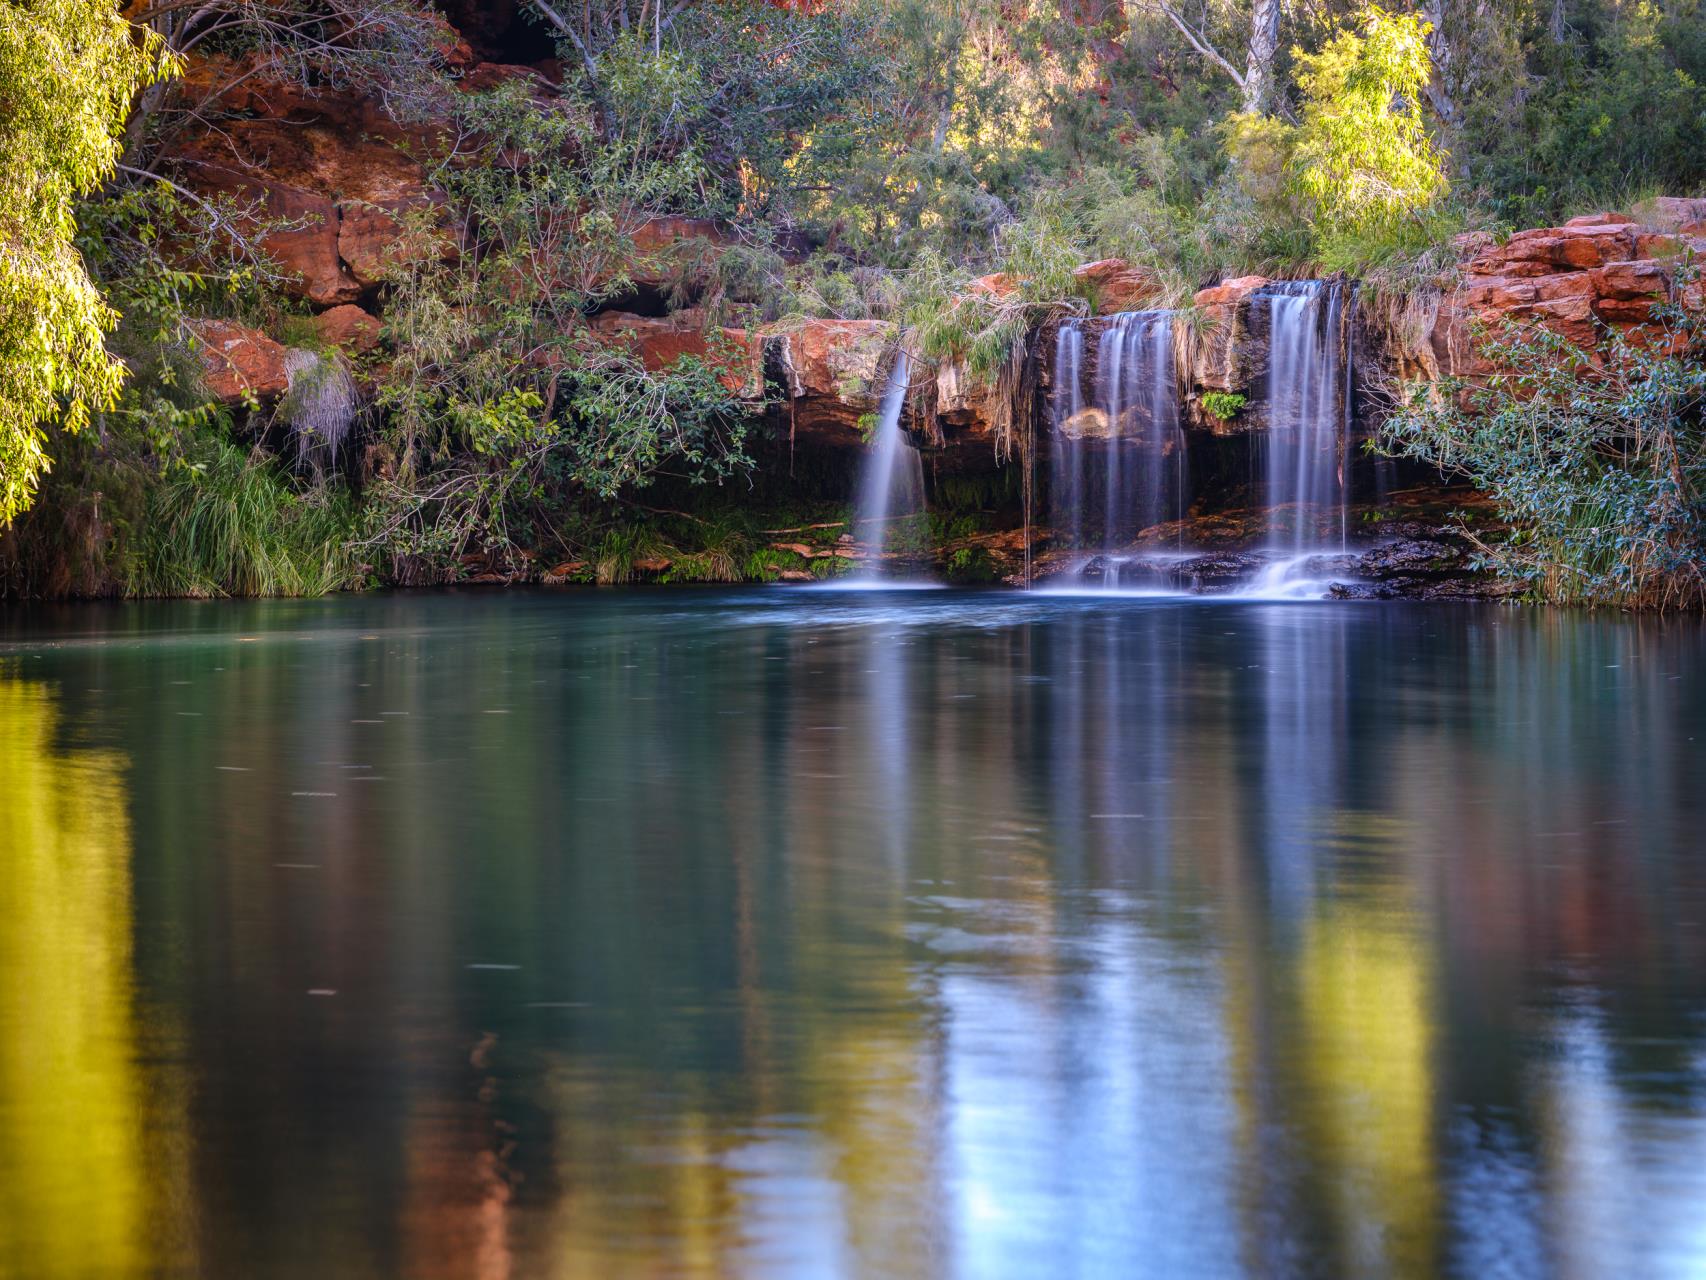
{"points": [[1364, 1085], [76, 1179], [845, 936]]}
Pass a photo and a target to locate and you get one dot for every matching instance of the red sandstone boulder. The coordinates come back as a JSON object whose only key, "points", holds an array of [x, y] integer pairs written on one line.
{"points": [[1228, 292], [349, 327], [332, 169], [998, 286], [1628, 280], [659, 343], [825, 358], [238, 362], [1115, 285], [832, 370], [1601, 220], [1222, 357], [336, 196], [1601, 268], [1671, 213]]}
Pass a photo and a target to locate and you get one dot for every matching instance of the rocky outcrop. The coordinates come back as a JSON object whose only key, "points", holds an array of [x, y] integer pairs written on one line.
{"points": [[830, 375], [1602, 269], [327, 178], [1114, 285], [827, 374], [325, 175], [349, 327], [332, 175], [1222, 351], [736, 354]]}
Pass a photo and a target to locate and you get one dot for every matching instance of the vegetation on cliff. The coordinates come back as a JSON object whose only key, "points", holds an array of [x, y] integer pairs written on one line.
{"points": [[857, 159], [1596, 458]]}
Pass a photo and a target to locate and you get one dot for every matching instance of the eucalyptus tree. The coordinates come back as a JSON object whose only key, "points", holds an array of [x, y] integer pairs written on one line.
{"points": [[68, 72]]}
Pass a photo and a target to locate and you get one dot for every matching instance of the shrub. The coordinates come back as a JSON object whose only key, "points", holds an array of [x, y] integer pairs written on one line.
{"points": [[1596, 461]]}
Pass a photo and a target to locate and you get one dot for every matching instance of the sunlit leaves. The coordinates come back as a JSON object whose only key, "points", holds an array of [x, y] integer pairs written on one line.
{"points": [[68, 69], [1362, 153]]}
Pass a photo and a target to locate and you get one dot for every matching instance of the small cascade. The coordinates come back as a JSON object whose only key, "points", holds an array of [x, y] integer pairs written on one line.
{"points": [[1119, 460], [1308, 438], [891, 483]]}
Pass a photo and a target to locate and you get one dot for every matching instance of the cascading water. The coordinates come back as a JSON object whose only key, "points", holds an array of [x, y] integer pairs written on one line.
{"points": [[891, 483], [1308, 438], [1119, 461]]}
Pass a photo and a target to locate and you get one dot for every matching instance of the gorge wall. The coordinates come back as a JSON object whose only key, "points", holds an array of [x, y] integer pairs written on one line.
{"points": [[344, 174]]}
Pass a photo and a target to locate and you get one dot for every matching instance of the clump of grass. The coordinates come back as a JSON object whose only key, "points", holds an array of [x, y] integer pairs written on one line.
{"points": [[233, 524]]}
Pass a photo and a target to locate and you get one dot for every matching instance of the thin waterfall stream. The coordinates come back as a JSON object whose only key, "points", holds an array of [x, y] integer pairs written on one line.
{"points": [[1306, 464], [891, 481]]}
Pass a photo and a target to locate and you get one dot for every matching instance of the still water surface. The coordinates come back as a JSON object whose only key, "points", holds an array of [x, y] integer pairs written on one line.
{"points": [[764, 933]]}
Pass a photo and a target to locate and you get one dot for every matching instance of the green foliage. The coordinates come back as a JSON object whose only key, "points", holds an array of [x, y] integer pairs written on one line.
{"points": [[502, 401], [1362, 156], [1598, 463], [968, 565], [1610, 108], [68, 71], [230, 523], [1224, 405], [757, 95]]}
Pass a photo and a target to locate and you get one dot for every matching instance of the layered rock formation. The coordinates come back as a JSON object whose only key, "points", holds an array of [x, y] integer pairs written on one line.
{"points": [[1603, 269]]}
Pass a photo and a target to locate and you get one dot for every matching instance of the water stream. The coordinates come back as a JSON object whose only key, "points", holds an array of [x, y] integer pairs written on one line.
{"points": [[1119, 459], [891, 481], [1308, 394]]}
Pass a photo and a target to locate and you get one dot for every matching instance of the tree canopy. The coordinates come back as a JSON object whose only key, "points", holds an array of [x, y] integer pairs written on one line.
{"points": [[68, 72]]}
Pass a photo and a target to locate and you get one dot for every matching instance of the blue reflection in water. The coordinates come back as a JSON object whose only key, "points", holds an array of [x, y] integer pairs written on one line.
{"points": [[953, 934]]}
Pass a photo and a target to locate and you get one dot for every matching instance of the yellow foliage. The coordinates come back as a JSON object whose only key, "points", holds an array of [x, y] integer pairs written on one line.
{"points": [[68, 71]]}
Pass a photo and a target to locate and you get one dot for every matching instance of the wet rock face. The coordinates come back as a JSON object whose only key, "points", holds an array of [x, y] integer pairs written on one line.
{"points": [[1226, 353]]}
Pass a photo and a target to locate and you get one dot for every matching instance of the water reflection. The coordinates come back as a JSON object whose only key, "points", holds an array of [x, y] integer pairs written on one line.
{"points": [[749, 934], [75, 1195]]}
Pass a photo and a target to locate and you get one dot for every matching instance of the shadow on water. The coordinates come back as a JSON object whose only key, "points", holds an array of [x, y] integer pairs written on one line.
{"points": [[750, 933]]}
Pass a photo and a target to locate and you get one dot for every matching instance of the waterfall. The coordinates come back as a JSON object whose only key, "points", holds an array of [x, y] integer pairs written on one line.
{"points": [[1308, 393], [891, 483], [1119, 462], [1067, 451]]}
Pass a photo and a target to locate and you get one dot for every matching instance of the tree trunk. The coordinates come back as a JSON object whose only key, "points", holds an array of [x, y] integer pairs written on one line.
{"points": [[1259, 66], [1440, 51]]}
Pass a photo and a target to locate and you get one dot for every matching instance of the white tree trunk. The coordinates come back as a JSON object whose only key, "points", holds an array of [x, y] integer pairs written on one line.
{"points": [[1259, 65]]}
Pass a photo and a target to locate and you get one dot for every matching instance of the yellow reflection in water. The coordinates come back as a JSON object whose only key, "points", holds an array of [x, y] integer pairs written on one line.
{"points": [[72, 1186], [1364, 991]]}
